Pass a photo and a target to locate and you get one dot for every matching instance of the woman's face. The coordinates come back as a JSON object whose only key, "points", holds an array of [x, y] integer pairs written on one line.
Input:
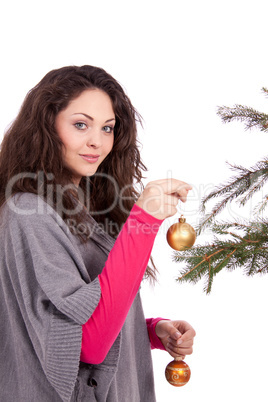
{"points": [[86, 128]]}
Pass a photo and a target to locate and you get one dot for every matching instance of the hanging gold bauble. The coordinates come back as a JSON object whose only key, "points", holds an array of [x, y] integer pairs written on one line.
{"points": [[181, 235], [178, 373]]}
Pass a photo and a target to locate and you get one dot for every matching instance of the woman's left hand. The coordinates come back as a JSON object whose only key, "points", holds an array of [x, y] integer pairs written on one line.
{"points": [[176, 336]]}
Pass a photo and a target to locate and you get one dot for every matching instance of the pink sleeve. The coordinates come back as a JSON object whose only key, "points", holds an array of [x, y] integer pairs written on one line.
{"points": [[154, 340], [119, 281]]}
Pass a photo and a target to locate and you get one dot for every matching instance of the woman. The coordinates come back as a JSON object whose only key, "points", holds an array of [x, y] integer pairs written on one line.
{"points": [[76, 239]]}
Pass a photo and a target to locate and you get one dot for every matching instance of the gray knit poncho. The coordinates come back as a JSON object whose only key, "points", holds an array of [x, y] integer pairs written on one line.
{"points": [[48, 289]]}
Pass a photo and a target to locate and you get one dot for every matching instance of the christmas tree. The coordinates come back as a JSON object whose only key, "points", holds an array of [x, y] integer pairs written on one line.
{"points": [[237, 244]]}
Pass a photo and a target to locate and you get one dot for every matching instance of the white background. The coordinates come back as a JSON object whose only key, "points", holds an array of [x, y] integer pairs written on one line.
{"points": [[178, 61]]}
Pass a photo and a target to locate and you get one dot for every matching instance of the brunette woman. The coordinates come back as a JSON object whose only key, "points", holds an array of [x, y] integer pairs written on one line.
{"points": [[76, 231]]}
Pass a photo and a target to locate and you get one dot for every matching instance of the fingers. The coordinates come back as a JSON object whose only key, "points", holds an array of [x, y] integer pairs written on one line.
{"points": [[160, 198], [179, 349], [176, 336], [182, 344], [173, 187]]}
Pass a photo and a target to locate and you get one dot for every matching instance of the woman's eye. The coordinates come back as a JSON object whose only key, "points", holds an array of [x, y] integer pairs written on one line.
{"points": [[108, 129], [80, 126]]}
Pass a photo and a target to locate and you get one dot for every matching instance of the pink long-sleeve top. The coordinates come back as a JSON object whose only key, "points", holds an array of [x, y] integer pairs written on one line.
{"points": [[120, 281]]}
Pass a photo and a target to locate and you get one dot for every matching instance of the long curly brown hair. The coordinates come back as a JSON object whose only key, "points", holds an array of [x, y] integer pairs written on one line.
{"points": [[32, 138]]}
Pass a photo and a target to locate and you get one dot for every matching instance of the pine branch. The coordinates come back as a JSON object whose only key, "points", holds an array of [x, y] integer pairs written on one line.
{"points": [[249, 116], [242, 182], [261, 206], [248, 251], [240, 188], [254, 188]]}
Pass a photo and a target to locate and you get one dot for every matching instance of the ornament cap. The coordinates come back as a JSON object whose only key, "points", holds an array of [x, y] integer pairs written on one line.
{"points": [[182, 219]]}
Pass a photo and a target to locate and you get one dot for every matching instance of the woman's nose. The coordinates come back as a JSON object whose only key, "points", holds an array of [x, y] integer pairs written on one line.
{"points": [[94, 139]]}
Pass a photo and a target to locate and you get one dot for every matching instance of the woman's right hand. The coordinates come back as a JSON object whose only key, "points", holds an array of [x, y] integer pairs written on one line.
{"points": [[160, 198]]}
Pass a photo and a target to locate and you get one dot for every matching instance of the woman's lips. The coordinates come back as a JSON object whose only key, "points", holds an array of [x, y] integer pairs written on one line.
{"points": [[90, 158]]}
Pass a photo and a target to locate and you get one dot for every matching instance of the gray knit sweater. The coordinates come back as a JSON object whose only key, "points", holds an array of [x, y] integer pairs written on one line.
{"points": [[48, 289]]}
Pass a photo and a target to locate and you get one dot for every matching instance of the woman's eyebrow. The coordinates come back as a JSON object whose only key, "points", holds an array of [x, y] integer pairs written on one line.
{"points": [[91, 118]]}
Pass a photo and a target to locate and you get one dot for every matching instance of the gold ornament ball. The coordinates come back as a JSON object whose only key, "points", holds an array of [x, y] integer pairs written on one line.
{"points": [[181, 235], [178, 373]]}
